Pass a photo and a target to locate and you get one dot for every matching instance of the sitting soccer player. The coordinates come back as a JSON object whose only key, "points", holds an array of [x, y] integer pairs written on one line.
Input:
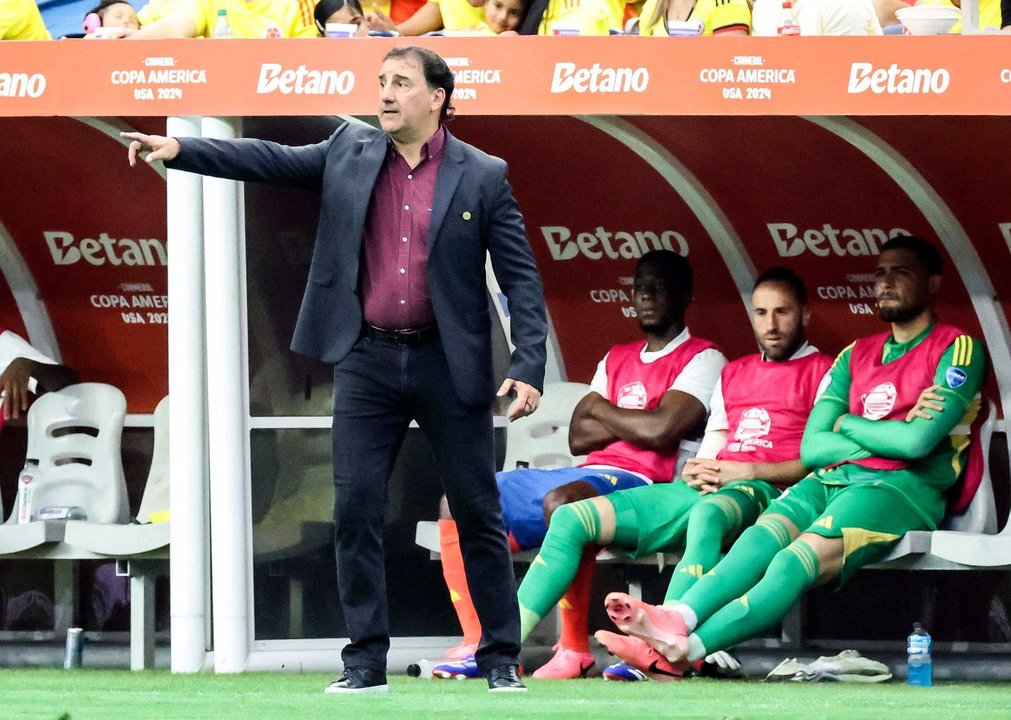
{"points": [[25, 371], [644, 398], [886, 467], [751, 450]]}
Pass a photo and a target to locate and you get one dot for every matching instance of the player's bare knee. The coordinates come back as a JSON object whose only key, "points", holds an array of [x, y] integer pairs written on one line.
{"points": [[830, 554], [565, 494]]}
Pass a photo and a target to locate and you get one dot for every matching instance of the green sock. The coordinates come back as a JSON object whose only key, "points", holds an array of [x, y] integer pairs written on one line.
{"points": [[790, 574], [573, 527], [714, 518], [742, 567]]}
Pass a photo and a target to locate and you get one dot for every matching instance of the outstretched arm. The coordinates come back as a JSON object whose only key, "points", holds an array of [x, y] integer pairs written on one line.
{"points": [[245, 159]]}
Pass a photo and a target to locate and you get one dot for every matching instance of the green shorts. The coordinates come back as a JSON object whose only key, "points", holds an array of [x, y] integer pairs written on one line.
{"points": [[870, 518], [658, 514]]}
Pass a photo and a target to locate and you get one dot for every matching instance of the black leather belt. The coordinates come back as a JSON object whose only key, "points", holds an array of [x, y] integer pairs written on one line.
{"points": [[404, 338]]}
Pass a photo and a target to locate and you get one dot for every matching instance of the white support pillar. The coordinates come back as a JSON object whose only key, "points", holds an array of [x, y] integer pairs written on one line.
{"points": [[189, 563], [231, 563]]}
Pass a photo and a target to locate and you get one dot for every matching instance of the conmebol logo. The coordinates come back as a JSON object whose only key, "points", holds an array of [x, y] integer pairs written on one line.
{"points": [[22, 84], [303, 81], [597, 79], [895, 80]]}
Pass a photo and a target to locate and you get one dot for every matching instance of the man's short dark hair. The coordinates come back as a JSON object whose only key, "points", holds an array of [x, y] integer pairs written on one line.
{"points": [[784, 276], [675, 271], [925, 251], [436, 71]]}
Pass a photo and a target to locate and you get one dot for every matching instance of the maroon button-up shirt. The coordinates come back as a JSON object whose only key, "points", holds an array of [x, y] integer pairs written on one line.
{"points": [[392, 278]]}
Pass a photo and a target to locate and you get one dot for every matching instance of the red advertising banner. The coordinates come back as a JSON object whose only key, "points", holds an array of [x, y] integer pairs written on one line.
{"points": [[92, 235], [517, 76]]}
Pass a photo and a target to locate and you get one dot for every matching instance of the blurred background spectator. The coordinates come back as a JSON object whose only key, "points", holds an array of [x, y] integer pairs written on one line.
{"points": [[346, 12], [111, 14], [21, 20], [435, 15], [589, 17], [818, 17], [198, 18], [712, 17]]}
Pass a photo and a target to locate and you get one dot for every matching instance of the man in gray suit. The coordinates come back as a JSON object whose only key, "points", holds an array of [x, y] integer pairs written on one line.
{"points": [[397, 300]]}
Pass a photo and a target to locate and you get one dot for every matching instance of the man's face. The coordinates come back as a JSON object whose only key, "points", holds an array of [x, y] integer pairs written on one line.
{"points": [[408, 108], [657, 305], [503, 15], [902, 286], [779, 320]]}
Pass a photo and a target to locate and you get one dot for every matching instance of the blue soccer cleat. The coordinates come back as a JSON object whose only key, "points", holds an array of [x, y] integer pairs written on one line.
{"points": [[465, 669], [623, 672]]}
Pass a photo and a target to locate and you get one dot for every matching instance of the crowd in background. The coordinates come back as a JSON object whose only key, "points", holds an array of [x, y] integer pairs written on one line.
{"points": [[114, 19]]}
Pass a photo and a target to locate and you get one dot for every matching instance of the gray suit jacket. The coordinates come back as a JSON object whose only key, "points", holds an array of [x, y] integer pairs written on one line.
{"points": [[474, 211]]}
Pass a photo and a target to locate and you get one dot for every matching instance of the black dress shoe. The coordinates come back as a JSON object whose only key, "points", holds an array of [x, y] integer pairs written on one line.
{"points": [[358, 680], [504, 678]]}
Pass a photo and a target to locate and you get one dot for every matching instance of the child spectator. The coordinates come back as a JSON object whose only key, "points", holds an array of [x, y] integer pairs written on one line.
{"points": [[111, 14]]}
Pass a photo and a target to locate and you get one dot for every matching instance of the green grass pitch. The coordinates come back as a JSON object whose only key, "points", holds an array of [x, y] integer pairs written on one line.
{"points": [[114, 695]]}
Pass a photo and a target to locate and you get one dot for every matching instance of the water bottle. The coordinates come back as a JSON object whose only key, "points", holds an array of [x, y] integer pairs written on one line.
{"points": [[920, 667], [788, 24], [221, 27], [26, 489]]}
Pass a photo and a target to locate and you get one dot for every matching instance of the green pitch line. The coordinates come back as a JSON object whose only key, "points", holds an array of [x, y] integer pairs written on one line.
{"points": [[115, 695]]}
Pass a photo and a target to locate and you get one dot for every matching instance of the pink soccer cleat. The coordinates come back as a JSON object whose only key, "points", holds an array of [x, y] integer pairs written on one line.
{"points": [[635, 652], [459, 652], [565, 665], [664, 629]]}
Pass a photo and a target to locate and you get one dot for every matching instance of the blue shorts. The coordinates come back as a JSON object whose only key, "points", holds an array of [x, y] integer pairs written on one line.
{"points": [[523, 491]]}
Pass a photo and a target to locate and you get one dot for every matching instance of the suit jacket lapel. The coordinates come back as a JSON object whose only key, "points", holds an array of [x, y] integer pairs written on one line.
{"points": [[371, 155], [450, 172]]}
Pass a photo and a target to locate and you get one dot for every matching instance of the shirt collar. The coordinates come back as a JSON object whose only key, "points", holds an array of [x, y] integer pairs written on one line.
{"points": [[431, 150], [803, 351]]}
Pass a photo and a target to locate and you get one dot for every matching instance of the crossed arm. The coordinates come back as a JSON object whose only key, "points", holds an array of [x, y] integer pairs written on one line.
{"points": [[834, 435], [597, 423]]}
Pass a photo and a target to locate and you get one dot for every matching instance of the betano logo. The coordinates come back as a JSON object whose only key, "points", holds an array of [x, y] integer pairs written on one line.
{"points": [[66, 250], [897, 81], [598, 79], [22, 84], [600, 243], [791, 241], [303, 81]]}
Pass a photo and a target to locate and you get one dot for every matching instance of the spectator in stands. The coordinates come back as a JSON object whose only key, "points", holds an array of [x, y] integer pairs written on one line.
{"points": [[435, 15], [591, 17], [818, 17], [348, 12], [197, 18], [705, 17], [644, 398], [887, 469], [112, 14], [989, 15], [503, 17], [750, 453], [21, 20], [26, 371]]}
